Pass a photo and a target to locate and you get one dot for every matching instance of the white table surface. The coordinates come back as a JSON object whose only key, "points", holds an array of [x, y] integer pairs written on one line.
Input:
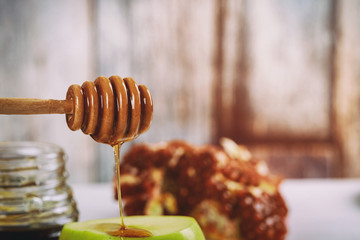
{"points": [[318, 209]]}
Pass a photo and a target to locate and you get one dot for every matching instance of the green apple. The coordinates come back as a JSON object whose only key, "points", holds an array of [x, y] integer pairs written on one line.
{"points": [[161, 228]]}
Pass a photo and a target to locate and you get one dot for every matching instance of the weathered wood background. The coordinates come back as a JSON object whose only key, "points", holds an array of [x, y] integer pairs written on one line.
{"points": [[281, 76]]}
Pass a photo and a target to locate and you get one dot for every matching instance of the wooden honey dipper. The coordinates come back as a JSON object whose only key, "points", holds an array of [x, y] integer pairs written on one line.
{"points": [[112, 110]]}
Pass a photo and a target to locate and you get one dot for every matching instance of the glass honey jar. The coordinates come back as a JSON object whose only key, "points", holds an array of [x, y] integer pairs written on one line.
{"points": [[35, 200]]}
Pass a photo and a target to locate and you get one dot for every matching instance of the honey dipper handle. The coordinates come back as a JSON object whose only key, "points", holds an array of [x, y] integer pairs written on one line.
{"points": [[34, 106]]}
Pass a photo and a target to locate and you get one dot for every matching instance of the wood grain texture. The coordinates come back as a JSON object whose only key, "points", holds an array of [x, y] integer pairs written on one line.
{"points": [[300, 160], [273, 82], [167, 46], [16, 106], [289, 83], [44, 49], [347, 85], [232, 111], [256, 71]]}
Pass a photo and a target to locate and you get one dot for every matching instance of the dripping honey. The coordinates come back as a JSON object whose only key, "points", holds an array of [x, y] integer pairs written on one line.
{"points": [[121, 230], [116, 149]]}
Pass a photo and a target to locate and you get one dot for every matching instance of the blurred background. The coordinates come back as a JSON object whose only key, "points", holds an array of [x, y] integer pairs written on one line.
{"points": [[281, 76]]}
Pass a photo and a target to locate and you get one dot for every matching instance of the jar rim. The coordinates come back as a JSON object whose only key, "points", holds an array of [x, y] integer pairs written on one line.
{"points": [[28, 155], [36, 144], [21, 149]]}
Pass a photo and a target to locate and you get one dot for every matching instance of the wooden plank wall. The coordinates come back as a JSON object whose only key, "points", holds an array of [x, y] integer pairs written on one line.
{"points": [[346, 88], [281, 76], [276, 70], [275, 75], [166, 45], [45, 47]]}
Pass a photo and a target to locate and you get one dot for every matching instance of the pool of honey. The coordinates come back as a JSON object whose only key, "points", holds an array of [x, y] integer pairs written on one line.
{"points": [[117, 230]]}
